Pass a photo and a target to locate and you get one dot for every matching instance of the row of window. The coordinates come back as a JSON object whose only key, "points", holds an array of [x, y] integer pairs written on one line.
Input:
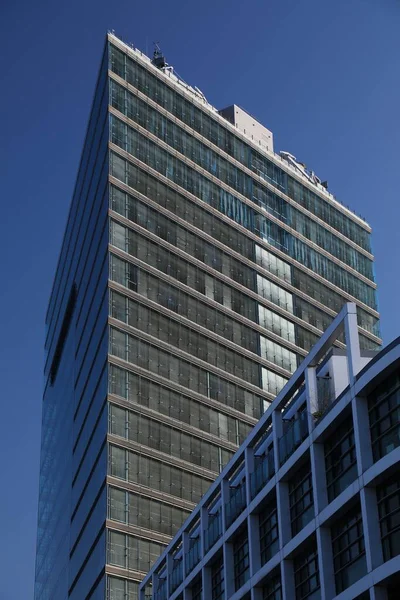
{"points": [[140, 511], [182, 303], [164, 438], [184, 271], [170, 166], [145, 284], [348, 550], [166, 196], [129, 276], [327, 297], [170, 231], [199, 216], [150, 472], [144, 391], [171, 133], [136, 245], [149, 356], [129, 552], [176, 334], [121, 589], [138, 280], [208, 127]]}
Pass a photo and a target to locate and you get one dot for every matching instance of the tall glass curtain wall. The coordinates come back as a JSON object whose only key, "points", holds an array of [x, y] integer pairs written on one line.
{"points": [[143, 114], [207, 322], [70, 555]]}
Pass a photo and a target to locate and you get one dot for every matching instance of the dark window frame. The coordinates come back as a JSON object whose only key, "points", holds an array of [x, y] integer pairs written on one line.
{"points": [[269, 531], [384, 425], [336, 471], [385, 497], [217, 579], [301, 566], [241, 560], [343, 544], [301, 477]]}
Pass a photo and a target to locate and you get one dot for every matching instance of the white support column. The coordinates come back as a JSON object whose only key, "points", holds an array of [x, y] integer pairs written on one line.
{"points": [[287, 574], [372, 533], [325, 563], [253, 529], [229, 571], [310, 377], [277, 427], [352, 342], [320, 492], [362, 434], [283, 512], [249, 468]]}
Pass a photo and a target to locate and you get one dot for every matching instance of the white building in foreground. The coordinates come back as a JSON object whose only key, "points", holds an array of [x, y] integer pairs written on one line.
{"points": [[309, 506]]}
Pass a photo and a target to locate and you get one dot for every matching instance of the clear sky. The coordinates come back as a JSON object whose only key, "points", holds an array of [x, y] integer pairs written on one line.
{"points": [[323, 76]]}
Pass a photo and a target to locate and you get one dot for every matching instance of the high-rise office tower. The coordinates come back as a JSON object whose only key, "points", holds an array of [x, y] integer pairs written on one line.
{"points": [[198, 267]]}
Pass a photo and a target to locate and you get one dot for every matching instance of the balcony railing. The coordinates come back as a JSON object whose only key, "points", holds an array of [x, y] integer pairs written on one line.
{"points": [[296, 433], [264, 470], [213, 531], [176, 575], [193, 555], [236, 503]]}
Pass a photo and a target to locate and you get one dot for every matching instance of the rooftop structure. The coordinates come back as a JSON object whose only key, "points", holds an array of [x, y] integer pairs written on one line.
{"points": [[309, 505]]}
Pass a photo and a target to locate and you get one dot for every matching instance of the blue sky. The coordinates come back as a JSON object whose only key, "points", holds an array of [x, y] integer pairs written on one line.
{"points": [[323, 76]]}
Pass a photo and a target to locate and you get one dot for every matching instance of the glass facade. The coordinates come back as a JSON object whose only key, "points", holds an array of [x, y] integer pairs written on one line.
{"points": [[306, 574], [71, 540], [340, 459], [269, 534], [195, 274], [384, 416], [217, 580], [389, 516], [348, 549], [241, 565], [301, 499], [272, 589]]}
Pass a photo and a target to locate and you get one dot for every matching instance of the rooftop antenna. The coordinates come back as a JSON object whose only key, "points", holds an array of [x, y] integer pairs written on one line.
{"points": [[158, 57]]}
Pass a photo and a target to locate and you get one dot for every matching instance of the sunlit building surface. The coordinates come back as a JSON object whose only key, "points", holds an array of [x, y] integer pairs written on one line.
{"points": [[197, 270]]}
